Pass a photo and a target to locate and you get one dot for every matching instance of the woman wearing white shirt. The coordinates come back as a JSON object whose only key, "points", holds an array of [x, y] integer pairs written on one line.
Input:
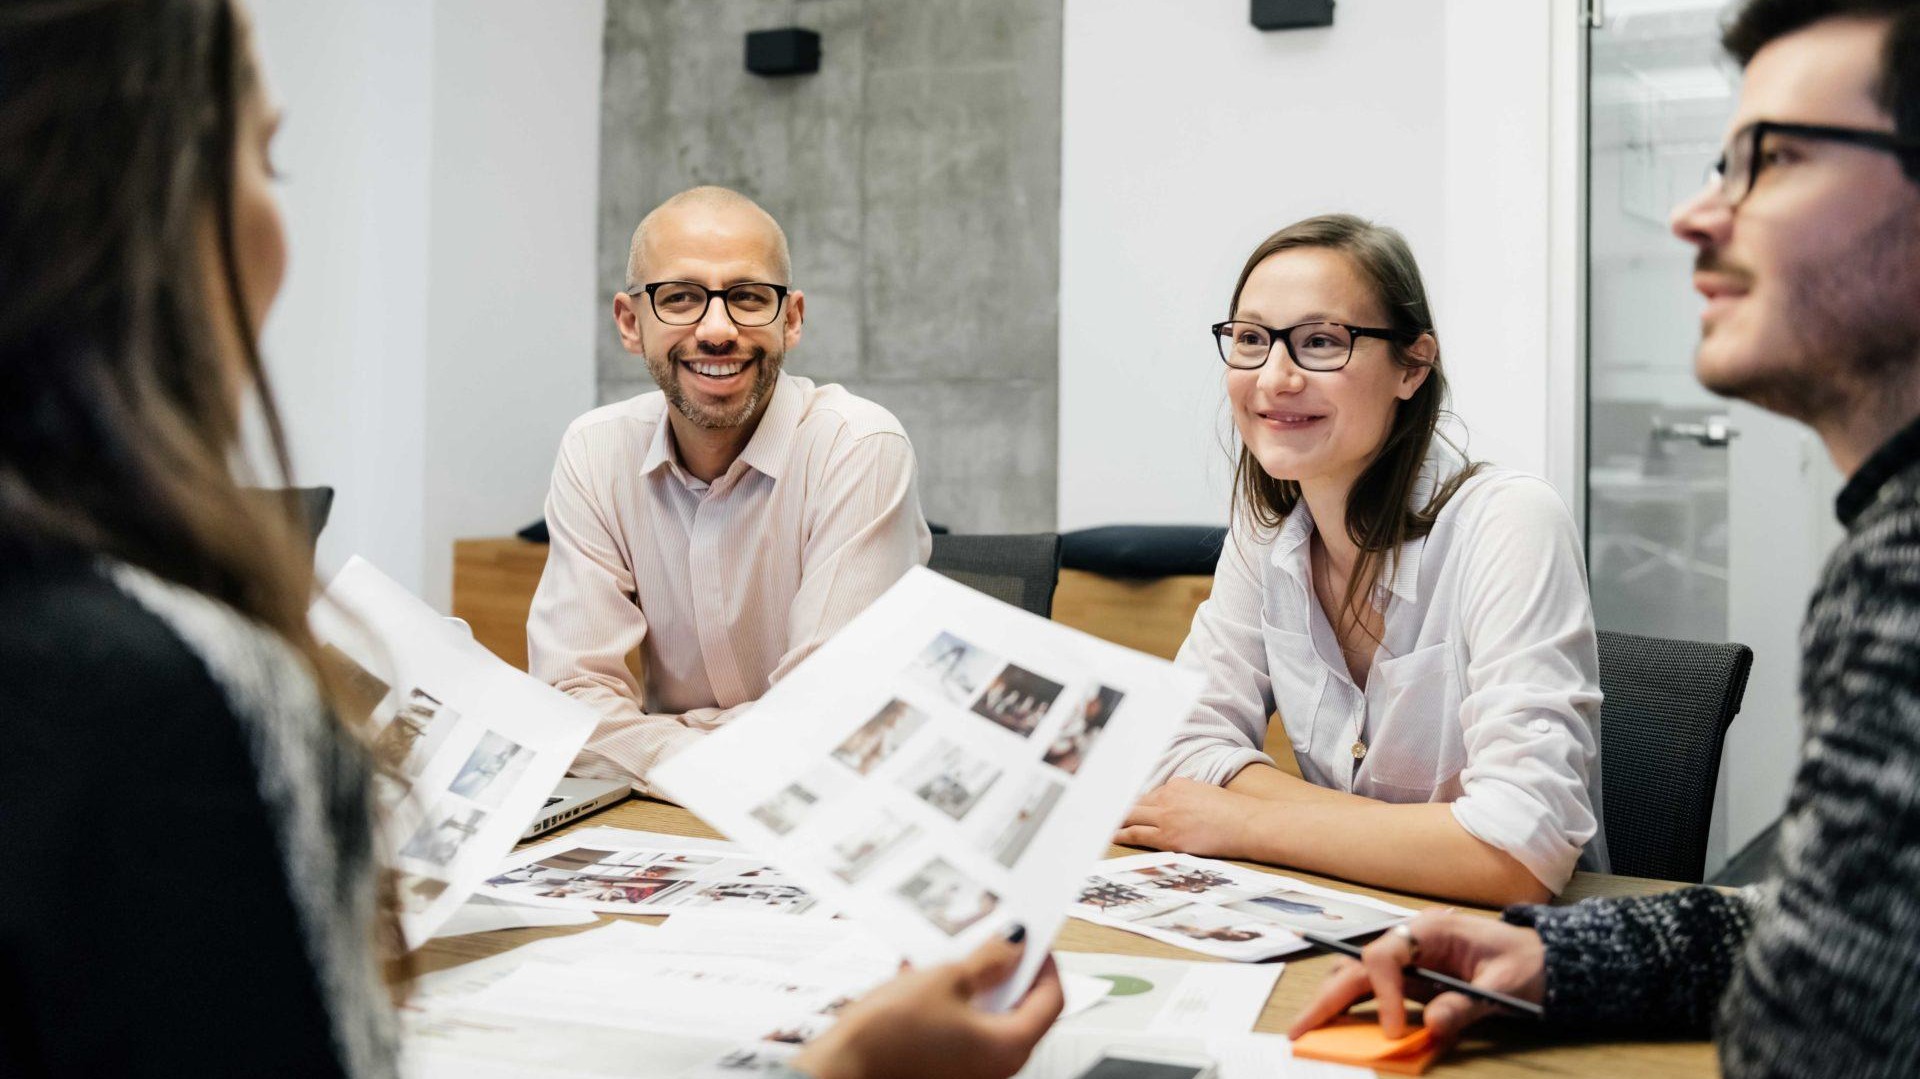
{"points": [[1432, 659]]}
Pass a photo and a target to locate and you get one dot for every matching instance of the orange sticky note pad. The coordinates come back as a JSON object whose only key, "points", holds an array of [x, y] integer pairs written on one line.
{"points": [[1360, 1043]]}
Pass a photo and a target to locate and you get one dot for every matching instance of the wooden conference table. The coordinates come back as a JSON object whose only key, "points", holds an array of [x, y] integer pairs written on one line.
{"points": [[1497, 1048]]}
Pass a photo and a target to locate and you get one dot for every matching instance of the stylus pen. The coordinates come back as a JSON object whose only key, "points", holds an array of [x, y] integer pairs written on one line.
{"points": [[1491, 996]]}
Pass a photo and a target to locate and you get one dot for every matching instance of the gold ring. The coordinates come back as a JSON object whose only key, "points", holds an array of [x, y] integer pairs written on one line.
{"points": [[1413, 945]]}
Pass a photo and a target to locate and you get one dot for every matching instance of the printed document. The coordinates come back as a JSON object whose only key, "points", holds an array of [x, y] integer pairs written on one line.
{"points": [[468, 747], [945, 766], [1218, 908], [622, 871]]}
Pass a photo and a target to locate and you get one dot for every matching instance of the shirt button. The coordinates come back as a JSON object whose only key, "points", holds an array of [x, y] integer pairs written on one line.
{"points": [[1540, 726]]}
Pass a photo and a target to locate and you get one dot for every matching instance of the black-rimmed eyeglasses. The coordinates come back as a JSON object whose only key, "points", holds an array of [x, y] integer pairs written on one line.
{"points": [[1314, 346], [1748, 151], [683, 303]]}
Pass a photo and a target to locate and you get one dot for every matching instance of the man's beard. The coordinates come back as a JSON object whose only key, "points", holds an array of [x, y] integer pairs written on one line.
{"points": [[766, 370], [1847, 325]]}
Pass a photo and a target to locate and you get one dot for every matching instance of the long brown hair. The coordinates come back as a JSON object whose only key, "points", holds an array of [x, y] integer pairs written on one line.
{"points": [[119, 431], [1380, 517]]}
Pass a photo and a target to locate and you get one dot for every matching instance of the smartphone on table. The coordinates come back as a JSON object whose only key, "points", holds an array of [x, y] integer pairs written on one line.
{"points": [[1148, 1064]]}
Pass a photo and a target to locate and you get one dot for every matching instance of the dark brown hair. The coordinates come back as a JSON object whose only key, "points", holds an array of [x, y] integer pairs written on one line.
{"points": [[1897, 90], [119, 431], [1379, 515]]}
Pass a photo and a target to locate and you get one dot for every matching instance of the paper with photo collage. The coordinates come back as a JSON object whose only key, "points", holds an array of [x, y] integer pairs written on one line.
{"points": [[1218, 908], [623, 871], [945, 766], [469, 747]]}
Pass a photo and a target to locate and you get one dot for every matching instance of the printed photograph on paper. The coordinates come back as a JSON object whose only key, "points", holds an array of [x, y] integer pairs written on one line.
{"points": [[946, 898], [360, 690], [750, 895], [880, 737], [953, 668], [1008, 836], [438, 841], [869, 845], [1082, 729], [1016, 699], [1221, 885], [783, 812], [1126, 901], [415, 734], [951, 779], [417, 892], [1214, 925], [1314, 913], [491, 770]]}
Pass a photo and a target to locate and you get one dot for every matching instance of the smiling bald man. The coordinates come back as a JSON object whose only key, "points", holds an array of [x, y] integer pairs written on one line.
{"points": [[726, 524]]}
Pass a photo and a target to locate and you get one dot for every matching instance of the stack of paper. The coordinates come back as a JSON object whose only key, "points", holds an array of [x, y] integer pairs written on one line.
{"points": [[945, 766], [1218, 908], [632, 1000], [623, 871]]}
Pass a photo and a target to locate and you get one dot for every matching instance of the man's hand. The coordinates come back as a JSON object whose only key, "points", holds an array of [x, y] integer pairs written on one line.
{"points": [[1481, 950], [923, 1024], [1192, 818]]}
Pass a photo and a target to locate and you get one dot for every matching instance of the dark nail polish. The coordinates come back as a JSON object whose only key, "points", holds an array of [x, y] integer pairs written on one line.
{"points": [[1017, 933]]}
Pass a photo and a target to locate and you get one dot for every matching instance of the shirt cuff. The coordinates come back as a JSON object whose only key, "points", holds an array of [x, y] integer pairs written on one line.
{"points": [[1505, 820], [1647, 963], [634, 755], [1217, 764]]}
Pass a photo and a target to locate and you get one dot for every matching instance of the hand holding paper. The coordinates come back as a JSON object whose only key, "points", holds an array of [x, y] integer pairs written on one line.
{"points": [[926, 1023]]}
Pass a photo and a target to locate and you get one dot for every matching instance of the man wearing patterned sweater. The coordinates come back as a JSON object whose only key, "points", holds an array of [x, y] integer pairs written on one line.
{"points": [[1809, 256]]}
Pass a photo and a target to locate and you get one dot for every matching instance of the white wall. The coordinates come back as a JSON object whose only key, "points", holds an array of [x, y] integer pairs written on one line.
{"points": [[435, 331], [345, 344], [512, 302], [1188, 136]]}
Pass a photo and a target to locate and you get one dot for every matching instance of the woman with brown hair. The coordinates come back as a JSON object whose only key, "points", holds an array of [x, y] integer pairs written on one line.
{"points": [[153, 635], [1419, 622]]}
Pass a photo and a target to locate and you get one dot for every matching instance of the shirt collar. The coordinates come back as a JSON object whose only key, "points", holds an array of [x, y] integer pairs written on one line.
{"points": [[660, 450], [1402, 571], [1895, 456], [766, 452]]}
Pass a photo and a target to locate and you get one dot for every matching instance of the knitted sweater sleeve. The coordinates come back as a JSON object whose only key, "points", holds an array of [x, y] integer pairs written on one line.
{"points": [[1652, 963]]}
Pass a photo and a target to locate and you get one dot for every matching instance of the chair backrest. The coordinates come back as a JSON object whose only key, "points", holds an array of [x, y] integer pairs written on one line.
{"points": [[1667, 709], [1017, 569], [314, 504]]}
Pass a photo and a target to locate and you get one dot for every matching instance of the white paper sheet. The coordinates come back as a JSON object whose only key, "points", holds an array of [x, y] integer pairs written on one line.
{"points": [[483, 914], [478, 745], [623, 871], [1066, 1053], [943, 767], [1171, 996], [1221, 909], [632, 1000]]}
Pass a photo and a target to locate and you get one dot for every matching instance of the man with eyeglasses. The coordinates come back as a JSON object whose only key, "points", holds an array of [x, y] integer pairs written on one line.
{"points": [[1809, 257], [725, 525]]}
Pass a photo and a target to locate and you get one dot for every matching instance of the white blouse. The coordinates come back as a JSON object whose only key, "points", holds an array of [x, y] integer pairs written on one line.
{"points": [[1484, 692]]}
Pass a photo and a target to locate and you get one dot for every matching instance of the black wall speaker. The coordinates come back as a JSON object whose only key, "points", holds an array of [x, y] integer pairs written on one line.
{"points": [[1292, 14], [791, 51]]}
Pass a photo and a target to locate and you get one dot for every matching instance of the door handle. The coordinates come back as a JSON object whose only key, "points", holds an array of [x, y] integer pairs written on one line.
{"points": [[1714, 431]]}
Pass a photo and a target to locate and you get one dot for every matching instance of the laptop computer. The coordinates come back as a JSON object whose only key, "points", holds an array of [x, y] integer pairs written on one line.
{"points": [[575, 798]]}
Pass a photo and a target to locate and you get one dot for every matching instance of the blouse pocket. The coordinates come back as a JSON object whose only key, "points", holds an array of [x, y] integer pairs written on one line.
{"points": [[1414, 740], [1298, 676]]}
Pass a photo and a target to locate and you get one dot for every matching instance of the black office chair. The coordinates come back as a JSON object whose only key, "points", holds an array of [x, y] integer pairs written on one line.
{"points": [[1667, 709], [313, 504], [1017, 569]]}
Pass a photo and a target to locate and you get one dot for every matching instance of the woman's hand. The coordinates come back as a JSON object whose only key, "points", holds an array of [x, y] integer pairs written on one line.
{"points": [[924, 1024], [1483, 951], [1193, 818]]}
